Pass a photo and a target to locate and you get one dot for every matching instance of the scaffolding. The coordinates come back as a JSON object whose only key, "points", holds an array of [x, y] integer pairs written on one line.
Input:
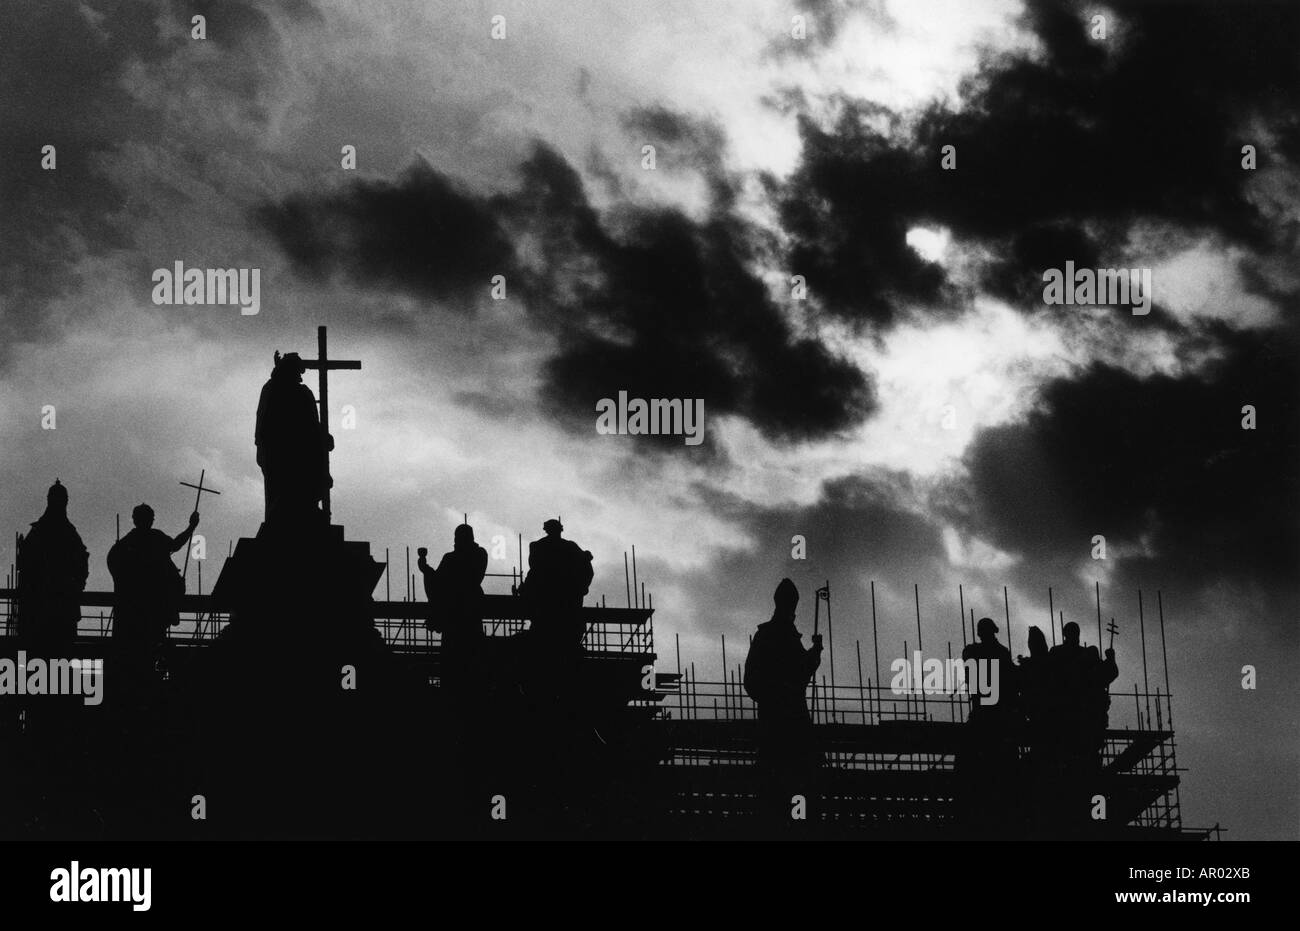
{"points": [[609, 631], [891, 758]]}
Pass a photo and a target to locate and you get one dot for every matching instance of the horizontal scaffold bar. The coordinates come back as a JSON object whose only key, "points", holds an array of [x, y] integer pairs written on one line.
{"points": [[495, 608], [936, 737]]}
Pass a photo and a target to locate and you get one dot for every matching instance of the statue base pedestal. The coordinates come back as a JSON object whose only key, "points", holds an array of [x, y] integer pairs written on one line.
{"points": [[308, 581], [301, 700]]}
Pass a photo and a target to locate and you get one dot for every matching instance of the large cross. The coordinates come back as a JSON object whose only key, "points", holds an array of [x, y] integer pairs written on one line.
{"points": [[324, 364], [199, 491]]}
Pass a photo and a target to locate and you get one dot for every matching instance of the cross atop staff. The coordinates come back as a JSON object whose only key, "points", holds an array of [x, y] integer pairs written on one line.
{"points": [[1113, 631], [324, 364], [199, 491], [822, 594]]}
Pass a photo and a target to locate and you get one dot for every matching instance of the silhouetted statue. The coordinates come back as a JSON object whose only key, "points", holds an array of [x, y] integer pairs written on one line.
{"points": [[1077, 681], [146, 581], [1107, 672], [291, 446], [559, 575], [1036, 693], [777, 672], [990, 654], [53, 565], [455, 593], [988, 764], [1042, 732]]}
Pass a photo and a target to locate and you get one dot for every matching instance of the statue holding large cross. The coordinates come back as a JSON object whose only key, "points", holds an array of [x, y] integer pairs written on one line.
{"points": [[293, 439]]}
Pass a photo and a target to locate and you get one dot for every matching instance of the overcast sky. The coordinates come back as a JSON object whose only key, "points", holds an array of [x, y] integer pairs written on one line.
{"points": [[921, 416]]}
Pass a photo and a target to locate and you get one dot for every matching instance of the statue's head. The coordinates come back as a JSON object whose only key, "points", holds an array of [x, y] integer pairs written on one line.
{"points": [[142, 516], [986, 629], [1070, 633], [289, 366], [786, 597], [553, 527], [57, 496], [464, 535]]}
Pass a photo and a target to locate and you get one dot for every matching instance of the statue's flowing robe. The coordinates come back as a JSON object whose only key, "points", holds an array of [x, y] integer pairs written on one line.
{"points": [[290, 450], [147, 584], [559, 575], [53, 565]]}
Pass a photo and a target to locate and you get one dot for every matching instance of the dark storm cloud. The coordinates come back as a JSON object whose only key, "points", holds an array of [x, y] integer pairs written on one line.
{"points": [[1059, 153], [1013, 275], [695, 141], [243, 25], [854, 532], [1162, 462], [856, 523], [682, 141], [1016, 273], [62, 66], [848, 208], [1080, 140], [58, 78], [645, 300], [661, 305], [420, 234]]}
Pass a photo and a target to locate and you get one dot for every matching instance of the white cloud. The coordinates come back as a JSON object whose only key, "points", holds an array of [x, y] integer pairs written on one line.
{"points": [[1205, 281], [929, 244]]}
